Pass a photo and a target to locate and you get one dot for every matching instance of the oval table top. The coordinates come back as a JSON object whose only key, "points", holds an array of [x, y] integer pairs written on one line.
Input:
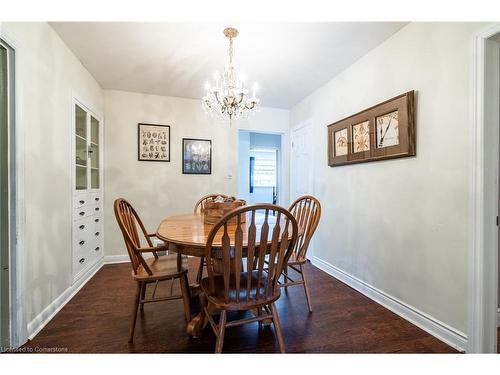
{"points": [[190, 233]]}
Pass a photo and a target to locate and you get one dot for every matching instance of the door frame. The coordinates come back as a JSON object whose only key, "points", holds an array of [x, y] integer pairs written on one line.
{"points": [[485, 157], [18, 325]]}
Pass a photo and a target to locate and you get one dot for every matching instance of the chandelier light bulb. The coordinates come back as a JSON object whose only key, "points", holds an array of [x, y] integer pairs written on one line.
{"points": [[255, 87]]}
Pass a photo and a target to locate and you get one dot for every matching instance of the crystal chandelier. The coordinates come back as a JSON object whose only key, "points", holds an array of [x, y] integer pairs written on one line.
{"points": [[228, 97]]}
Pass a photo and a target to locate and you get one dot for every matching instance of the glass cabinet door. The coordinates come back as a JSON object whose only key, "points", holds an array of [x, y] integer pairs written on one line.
{"points": [[80, 148], [94, 153], [87, 169]]}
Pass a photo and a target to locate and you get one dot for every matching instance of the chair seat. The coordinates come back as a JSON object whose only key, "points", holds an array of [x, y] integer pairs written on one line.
{"points": [[294, 260], [217, 297], [165, 267]]}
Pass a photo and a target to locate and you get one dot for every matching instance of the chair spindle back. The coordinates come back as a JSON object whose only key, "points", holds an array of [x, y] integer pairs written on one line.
{"points": [[226, 254], [307, 212], [128, 219]]}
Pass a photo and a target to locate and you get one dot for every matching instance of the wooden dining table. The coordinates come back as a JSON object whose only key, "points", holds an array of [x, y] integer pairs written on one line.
{"points": [[187, 234]]}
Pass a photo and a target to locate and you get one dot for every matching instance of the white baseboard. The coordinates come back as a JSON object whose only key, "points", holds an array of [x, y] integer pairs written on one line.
{"points": [[438, 329], [112, 259], [51, 310]]}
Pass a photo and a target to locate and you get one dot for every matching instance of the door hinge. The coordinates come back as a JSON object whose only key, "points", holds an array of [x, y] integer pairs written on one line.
{"points": [[497, 221]]}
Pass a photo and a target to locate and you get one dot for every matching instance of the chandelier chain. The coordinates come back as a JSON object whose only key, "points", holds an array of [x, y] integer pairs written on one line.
{"points": [[230, 50]]}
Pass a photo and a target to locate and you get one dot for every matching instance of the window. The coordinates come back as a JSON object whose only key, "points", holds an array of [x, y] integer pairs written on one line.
{"points": [[264, 167]]}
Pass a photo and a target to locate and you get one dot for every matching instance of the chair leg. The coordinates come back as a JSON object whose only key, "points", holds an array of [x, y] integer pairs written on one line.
{"points": [[259, 314], [134, 313], [200, 270], [277, 327], [306, 290], [220, 334], [143, 295], [186, 298], [285, 272]]}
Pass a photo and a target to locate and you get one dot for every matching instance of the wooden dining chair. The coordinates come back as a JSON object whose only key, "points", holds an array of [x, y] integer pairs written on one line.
{"points": [[146, 271], [237, 279], [307, 212], [199, 207]]}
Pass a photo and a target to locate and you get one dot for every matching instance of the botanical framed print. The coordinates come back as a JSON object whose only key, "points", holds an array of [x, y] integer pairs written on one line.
{"points": [[384, 131], [341, 142], [153, 142], [196, 156], [361, 137]]}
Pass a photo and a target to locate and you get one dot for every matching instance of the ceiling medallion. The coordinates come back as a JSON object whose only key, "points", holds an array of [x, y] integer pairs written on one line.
{"points": [[228, 97]]}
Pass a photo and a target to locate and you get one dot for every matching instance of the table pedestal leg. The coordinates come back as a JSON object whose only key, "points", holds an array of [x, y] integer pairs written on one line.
{"points": [[197, 324]]}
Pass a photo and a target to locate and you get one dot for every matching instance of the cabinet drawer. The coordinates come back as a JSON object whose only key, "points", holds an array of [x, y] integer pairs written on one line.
{"points": [[81, 262], [80, 200], [82, 212], [95, 198], [95, 247], [95, 209], [82, 227], [96, 219], [81, 242], [95, 234]]}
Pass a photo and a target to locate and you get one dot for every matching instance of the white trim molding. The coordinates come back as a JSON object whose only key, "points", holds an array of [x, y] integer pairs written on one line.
{"points": [[435, 327], [18, 277], [113, 259], [483, 246], [51, 310]]}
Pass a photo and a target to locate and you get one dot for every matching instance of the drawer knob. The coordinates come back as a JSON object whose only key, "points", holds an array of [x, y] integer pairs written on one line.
{"points": [[97, 248], [96, 220], [82, 226], [96, 233], [82, 213], [97, 199], [81, 242], [97, 208], [82, 260], [82, 202]]}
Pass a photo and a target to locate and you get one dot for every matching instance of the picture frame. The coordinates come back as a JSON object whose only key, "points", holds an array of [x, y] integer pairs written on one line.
{"points": [[196, 156], [153, 142], [384, 131]]}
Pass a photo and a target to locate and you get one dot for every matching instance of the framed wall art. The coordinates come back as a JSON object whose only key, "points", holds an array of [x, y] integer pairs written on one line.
{"points": [[153, 142], [384, 131], [196, 156]]}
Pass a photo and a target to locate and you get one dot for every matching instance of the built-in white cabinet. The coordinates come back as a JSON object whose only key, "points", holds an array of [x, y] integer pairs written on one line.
{"points": [[87, 233]]}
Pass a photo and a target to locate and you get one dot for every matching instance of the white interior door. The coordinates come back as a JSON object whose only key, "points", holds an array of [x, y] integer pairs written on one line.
{"points": [[302, 167]]}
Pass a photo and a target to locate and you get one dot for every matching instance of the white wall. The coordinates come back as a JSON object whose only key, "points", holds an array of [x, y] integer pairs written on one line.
{"points": [[402, 225], [160, 189], [47, 75]]}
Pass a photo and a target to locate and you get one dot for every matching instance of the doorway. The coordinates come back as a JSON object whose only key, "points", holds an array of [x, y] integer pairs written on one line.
{"points": [[259, 167]]}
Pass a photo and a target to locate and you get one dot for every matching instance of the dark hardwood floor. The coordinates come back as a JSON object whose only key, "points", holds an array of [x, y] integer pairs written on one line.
{"points": [[97, 320]]}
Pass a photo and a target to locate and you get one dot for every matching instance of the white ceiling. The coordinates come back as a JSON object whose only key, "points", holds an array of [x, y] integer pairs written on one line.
{"points": [[288, 60]]}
